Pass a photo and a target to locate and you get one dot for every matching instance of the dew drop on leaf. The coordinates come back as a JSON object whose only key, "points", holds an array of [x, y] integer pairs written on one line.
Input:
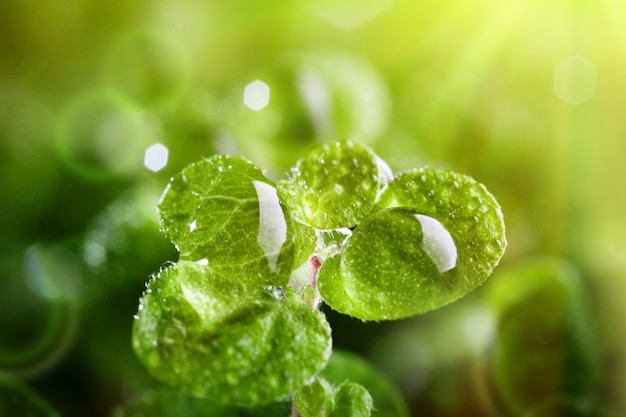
{"points": [[437, 243], [432, 237], [397, 263], [223, 212], [272, 223]]}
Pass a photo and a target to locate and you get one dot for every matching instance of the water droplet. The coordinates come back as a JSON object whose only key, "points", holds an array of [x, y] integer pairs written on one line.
{"points": [[277, 292], [272, 223], [438, 243], [192, 226], [338, 189], [203, 262], [384, 169]]}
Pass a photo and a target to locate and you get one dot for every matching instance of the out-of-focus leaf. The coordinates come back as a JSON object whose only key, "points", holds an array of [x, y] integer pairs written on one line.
{"points": [[387, 400]]}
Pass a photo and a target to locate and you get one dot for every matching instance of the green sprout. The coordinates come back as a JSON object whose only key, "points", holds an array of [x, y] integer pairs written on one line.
{"points": [[236, 319]]}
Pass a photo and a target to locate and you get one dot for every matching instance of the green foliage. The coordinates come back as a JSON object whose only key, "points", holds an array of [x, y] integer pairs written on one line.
{"points": [[387, 400], [562, 350], [224, 213], [436, 235], [15, 397], [320, 399], [235, 320], [218, 340], [335, 185]]}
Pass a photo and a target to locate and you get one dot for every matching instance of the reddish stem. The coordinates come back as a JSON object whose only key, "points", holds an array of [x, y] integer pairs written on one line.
{"points": [[316, 264]]}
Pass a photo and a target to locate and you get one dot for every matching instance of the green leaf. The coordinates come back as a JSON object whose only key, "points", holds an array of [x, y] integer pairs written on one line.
{"points": [[351, 400], [319, 399], [387, 400], [335, 185], [314, 399], [464, 207], [221, 339], [433, 237], [18, 400], [224, 213], [545, 327]]}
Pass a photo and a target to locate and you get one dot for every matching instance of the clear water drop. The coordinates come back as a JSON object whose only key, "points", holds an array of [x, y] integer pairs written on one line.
{"points": [[272, 224], [438, 243], [416, 259], [276, 292]]}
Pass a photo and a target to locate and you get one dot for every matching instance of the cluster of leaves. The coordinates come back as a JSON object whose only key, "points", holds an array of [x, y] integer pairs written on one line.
{"points": [[235, 320]]}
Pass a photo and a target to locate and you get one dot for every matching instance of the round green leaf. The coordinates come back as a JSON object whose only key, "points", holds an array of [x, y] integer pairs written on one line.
{"points": [[224, 213], [397, 263], [335, 185], [387, 400], [464, 207], [314, 399], [206, 178], [433, 237], [351, 400], [218, 339], [319, 399]]}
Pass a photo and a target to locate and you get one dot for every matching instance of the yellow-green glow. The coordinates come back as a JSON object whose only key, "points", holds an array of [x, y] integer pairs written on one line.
{"points": [[526, 96]]}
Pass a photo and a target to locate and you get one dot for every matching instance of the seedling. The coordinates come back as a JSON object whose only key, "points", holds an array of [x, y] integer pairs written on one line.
{"points": [[236, 319]]}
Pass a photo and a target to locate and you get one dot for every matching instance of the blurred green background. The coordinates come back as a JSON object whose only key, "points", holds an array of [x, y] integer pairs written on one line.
{"points": [[527, 97]]}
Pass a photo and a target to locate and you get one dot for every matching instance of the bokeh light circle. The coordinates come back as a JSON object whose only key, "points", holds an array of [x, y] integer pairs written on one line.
{"points": [[100, 135], [148, 67]]}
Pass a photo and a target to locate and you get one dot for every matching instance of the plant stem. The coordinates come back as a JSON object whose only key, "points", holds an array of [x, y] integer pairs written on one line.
{"points": [[316, 263]]}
